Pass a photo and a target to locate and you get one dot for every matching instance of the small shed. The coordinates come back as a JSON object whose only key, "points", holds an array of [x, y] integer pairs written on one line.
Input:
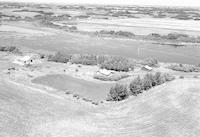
{"points": [[105, 72], [147, 68]]}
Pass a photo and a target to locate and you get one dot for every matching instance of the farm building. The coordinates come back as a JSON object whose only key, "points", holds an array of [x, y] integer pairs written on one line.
{"points": [[147, 68], [104, 72], [27, 60]]}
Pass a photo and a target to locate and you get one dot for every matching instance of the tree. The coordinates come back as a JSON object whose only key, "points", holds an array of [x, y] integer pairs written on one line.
{"points": [[159, 78], [117, 93], [60, 57], [168, 77], [135, 86], [148, 81], [152, 62]]}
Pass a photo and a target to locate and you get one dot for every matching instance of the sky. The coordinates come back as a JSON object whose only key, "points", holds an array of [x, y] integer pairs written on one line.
{"points": [[188, 3]]}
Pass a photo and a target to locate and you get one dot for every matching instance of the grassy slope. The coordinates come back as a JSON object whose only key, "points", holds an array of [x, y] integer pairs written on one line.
{"points": [[168, 110], [26, 111]]}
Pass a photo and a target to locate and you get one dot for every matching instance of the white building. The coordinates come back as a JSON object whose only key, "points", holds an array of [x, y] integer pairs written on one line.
{"points": [[105, 72], [27, 60], [147, 68]]}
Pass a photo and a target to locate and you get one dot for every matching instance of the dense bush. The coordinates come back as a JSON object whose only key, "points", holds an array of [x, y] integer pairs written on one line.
{"points": [[59, 57], [106, 32], [115, 33], [84, 59], [184, 68], [117, 63], [114, 77], [102, 58], [182, 16], [160, 78], [182, 37], [175, 36], [168, 77], [42, 55], [138, 85], [12, 49], [148, 81], [117, 93], [151, 80], [153, 36], [124, 33], [73, 28], [152, 62]]}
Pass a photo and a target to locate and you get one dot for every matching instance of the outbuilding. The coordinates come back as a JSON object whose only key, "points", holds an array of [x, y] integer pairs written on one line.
{"points": [[147, 68], [27, 60], [105, 72]]}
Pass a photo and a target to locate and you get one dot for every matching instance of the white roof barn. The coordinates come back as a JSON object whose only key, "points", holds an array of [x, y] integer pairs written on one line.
{"points": [[147, 68], [105, 72]]}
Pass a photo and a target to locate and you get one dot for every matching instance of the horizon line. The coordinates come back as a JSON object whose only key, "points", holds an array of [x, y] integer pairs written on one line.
{"points": [[63, 3]]}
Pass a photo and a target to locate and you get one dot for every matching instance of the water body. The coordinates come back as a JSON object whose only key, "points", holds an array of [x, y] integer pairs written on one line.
{"points": [[142, 26], [75, 43], [91, 90]]}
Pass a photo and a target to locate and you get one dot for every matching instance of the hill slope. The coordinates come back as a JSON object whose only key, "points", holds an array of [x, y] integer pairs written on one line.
{"points": [[168, 110]]}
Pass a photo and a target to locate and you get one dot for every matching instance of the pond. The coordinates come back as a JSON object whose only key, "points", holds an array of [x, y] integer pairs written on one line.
{"points": [[87, 89]]}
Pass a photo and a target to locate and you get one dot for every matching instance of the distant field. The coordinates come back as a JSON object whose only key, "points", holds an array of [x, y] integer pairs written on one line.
{"points": [[26, 14], [143, 26], [21, 29]]}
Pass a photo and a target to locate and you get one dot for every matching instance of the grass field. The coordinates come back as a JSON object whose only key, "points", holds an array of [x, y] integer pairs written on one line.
{"points": [[87, 89], [168, 110]]}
